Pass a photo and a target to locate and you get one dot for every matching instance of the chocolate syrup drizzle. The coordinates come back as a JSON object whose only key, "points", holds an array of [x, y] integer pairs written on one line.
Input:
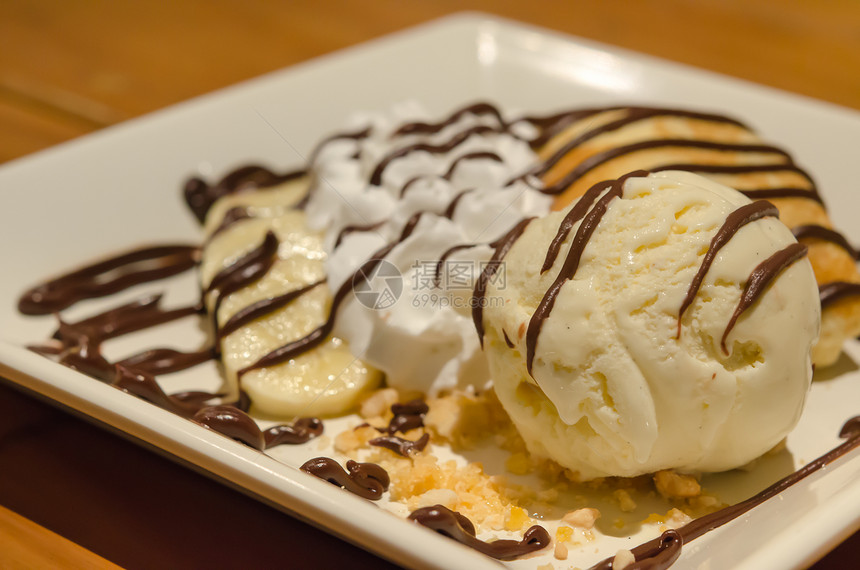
{"points": [[596, 160], [817, 232], [571, 262], [78, 344], [200, 196], [661, 552], [367, 480], [501, 248], [734, 222], [319, 334], [248, 269], [108, 277], [401, 446], [762, 275], [454, 525]]}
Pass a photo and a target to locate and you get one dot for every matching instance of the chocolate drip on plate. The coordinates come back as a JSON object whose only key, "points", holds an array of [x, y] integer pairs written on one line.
{"points": [[734, 222], [232, 422], [401, 446], [653, 554], [407, 416], [134, 316], [762, 275], [302, 431], [454, 525], [367, 480], [109, 276], [158, 361]]}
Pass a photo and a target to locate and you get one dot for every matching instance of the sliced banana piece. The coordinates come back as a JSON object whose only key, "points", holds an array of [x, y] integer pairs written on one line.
{"points": [[325, 380]]}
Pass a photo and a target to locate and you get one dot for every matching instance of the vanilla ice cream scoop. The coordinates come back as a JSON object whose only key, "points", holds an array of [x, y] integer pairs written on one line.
{"points": [[662, 321]]}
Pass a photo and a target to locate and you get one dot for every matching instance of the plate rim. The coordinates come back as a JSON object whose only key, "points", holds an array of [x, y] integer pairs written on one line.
{"points": [[439, 552]]}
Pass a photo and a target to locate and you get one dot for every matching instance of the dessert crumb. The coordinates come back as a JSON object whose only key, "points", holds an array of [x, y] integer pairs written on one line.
{"points": [[378, 403], [625, 501], [560, 551], [673, 485], [582, 518], [675, 518], [623, 559]]}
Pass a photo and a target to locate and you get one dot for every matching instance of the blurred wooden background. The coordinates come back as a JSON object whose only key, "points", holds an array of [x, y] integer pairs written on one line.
{"points": [[71, 67]]}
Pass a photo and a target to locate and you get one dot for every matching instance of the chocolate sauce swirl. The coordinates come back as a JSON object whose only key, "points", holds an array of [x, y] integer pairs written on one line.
{"points": [[367, 480], [479, 108], [157, 361], [454, 142], [830, 293], [302, 431], [401, 446], [486, 155], [501, 248], [662, 551], [262, 308], [319, 334], [734, 222], [407, 416], [109, 276], [200, 196], [762, 275], [589, 223], [231, 217], [634, 115], [816, 232], [357, 228], [229, 419], [232, 422], [454, 525], [573, 215], [596, 160], [246, 270]]}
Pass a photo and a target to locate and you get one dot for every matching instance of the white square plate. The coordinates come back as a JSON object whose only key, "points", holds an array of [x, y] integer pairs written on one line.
{"points": [[121, 187]]}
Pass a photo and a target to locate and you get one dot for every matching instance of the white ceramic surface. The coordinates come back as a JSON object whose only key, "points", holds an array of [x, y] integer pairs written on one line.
{"points": [[120, 187]]}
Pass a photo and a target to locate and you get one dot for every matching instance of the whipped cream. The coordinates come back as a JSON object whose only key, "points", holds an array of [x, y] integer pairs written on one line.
{"points": [[415, 329]]}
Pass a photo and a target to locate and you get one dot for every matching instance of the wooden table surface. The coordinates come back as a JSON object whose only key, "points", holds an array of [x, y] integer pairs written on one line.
{"points": [[72, 67]]}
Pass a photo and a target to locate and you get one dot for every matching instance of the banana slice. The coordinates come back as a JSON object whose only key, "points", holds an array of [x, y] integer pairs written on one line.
{"points": [[325, 380]]}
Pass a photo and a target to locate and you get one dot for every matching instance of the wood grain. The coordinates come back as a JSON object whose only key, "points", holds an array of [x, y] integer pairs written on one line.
{"points": [[25, 545], [108, 61]]}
